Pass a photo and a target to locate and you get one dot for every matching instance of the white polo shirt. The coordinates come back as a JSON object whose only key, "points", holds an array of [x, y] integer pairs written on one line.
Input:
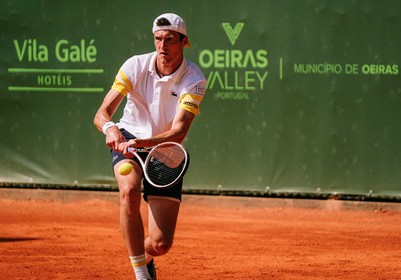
{"points": [[152, 101]]}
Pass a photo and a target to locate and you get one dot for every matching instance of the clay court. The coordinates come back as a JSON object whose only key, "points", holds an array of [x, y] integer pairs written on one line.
{"points": [[51, 234]]}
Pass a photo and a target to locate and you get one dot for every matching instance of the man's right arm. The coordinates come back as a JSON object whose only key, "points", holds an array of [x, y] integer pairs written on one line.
{"points": [[104, 115]]}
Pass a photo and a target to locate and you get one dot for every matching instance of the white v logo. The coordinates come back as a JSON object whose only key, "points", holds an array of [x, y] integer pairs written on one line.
{"points": [[233, 34]]}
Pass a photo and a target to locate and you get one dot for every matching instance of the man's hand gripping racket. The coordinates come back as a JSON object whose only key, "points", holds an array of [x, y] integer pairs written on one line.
{"points": [[165, 163]]}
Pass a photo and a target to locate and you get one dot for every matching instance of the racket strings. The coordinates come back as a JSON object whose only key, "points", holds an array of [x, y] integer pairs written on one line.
{"points": [[165, 164]]}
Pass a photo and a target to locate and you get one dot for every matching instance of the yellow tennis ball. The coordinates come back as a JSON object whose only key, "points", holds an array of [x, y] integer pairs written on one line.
{"points": [[125, 168]]}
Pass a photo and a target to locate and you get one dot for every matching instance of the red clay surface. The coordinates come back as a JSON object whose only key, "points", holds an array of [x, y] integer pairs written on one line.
{"points": [[73, 235]]}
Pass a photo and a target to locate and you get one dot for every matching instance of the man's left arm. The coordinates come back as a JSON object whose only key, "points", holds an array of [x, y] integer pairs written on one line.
{"points": [[179, 129]]}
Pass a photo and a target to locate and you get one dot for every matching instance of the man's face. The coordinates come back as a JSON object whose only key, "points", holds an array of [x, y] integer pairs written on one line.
{"points": [[169, 47]]}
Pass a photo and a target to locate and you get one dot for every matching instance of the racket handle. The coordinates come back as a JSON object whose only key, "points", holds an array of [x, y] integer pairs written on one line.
{"points": [[132, 150]]}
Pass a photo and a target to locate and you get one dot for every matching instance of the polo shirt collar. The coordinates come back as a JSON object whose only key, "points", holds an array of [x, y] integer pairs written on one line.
{"points": [[175, 76]]}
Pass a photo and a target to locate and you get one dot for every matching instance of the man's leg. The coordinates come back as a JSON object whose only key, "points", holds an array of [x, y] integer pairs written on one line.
{"points": [[162, 221], [130, 217]]}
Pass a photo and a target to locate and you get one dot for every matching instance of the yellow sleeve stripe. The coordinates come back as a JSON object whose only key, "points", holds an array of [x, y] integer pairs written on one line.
{"points": [[190, 102], [122, 84]]}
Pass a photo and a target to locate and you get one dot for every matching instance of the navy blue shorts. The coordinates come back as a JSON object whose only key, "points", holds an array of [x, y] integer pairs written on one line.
{"points": [[171, 192]]}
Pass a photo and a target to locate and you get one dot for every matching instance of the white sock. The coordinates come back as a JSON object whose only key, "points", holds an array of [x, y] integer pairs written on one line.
{"points": [[139, 266]]}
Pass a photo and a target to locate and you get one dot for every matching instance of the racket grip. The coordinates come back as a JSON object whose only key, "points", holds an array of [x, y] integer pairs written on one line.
{"points": [[131, 150]]}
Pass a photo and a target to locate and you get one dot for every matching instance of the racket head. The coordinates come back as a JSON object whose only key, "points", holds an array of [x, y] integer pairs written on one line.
{"points": [[165, 164]]}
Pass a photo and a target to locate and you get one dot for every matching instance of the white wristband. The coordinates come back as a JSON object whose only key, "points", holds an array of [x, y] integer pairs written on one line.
{"points": [[106, 126]]}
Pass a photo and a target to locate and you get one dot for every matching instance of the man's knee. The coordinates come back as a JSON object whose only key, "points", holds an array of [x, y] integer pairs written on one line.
{"points": [[130, 195], [162, 246]]}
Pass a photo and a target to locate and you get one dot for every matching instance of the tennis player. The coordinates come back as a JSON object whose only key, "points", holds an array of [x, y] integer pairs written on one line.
{"points": [[162, 92]]}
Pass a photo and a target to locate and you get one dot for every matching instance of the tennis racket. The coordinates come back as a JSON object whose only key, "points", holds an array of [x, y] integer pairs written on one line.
{"points": [[165, 163]]}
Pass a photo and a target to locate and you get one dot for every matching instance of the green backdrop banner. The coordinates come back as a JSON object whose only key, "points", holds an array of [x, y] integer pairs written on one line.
{"points": [[303, 96]]}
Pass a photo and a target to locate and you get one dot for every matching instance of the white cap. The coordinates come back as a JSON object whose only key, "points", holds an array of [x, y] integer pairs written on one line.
{"points": [[176, 24]]}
